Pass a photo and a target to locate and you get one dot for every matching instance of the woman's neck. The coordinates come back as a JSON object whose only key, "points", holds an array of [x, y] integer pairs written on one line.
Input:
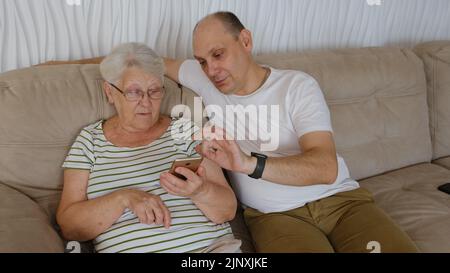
{"points": [[121, 135]]}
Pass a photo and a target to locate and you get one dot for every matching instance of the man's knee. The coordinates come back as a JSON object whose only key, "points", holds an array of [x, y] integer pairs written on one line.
{"points": [[366, 228]]}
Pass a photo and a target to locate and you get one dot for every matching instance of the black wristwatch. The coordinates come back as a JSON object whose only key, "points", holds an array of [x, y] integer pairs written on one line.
{"points": [[260, 164]]}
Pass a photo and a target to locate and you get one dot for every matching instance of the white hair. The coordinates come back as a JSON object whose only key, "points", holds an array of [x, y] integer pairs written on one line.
{"points": [[131, 55]]}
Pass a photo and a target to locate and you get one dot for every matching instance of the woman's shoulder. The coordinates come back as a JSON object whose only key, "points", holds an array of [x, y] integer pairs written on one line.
{"points": [[183, 124], [183, 128], [92, 129]]}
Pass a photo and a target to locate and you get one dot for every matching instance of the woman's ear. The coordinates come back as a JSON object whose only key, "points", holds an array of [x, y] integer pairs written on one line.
{"points": [[108, 93]]}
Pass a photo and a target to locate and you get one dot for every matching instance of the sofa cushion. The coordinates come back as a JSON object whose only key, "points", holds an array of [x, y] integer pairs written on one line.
{"points": [[24, 226], [411, 198], [444, 162], [43, 109], [377, 100], [240, 231], [436, 59]]}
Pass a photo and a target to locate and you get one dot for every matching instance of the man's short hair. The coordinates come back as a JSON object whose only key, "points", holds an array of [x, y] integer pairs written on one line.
{"points": [[230, 21]]}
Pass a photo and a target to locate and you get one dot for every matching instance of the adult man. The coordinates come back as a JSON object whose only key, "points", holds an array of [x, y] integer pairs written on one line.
{"points": [[299, 196]]}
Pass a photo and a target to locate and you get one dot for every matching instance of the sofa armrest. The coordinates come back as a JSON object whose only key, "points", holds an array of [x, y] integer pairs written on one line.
{"points": [[24, 226]]}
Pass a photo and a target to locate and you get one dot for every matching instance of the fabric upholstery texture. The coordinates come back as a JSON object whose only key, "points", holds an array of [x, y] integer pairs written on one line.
{"points": [[410, 197], [436, 59]]}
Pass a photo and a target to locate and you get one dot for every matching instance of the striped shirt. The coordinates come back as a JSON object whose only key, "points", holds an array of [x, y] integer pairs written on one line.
{"points": [[113, 168]]}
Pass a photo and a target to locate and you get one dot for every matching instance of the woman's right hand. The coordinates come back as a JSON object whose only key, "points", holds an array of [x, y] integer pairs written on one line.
{"points": [[147, 207]]}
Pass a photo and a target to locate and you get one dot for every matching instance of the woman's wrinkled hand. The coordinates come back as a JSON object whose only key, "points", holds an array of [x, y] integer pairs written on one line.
{"points": [[149, 208]]}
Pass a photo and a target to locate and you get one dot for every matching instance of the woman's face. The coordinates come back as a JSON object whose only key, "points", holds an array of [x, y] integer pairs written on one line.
{"points": [[142, 114]]}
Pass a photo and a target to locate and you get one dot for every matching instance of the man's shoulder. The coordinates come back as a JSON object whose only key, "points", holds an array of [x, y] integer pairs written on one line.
{"points": [[291, 74], [295, 80]]}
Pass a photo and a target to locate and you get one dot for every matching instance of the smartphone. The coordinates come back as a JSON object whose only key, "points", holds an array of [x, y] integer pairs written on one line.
{"points": [[445, 188], [191, 163]]}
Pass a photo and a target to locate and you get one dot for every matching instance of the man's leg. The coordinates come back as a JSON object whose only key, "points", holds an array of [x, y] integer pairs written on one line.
{"points": [[366, 228], [278, 232]]}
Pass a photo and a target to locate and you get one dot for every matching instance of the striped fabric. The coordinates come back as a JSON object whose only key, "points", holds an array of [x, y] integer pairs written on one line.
{"points": [[113, 168]]}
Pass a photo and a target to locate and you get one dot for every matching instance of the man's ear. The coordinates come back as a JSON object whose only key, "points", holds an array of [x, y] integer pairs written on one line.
{"points": [[246, 40], [108, 92]]}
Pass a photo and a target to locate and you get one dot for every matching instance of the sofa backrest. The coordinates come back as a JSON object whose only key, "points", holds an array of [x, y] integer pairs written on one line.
{"points": [[42, 110], [377, 100], [436, 59]]}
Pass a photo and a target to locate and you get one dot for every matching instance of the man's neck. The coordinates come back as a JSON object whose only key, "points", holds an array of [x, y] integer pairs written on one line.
{"points": [[256, 76]]}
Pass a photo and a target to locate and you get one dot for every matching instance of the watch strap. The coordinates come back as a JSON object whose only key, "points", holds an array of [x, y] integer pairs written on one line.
{"points": [[260, 164]]}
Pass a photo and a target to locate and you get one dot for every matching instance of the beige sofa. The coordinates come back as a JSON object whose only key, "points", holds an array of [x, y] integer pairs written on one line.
{"points": [[390, 112]]}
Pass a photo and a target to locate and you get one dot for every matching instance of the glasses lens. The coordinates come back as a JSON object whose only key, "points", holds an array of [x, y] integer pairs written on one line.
{"points": [[156, 93], [134, 95]]}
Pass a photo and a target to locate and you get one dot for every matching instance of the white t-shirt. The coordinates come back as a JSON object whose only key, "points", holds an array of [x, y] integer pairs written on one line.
{"points": [[288, 105]]}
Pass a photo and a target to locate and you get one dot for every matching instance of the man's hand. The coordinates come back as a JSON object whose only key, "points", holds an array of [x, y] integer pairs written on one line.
{"points": [[172, 68], [224, 151]]}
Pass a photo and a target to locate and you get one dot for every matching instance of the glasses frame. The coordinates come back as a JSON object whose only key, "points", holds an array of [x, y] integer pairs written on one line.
{"points": [[163, 91]]}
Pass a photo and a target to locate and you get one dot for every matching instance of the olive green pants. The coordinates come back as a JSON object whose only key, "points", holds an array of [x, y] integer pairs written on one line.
{"points": [[345, 222]]}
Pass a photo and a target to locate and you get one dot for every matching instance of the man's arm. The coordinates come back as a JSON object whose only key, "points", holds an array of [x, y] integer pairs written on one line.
{"points": [[172, 65], [317, 164], [95, 60], [172, 68]]}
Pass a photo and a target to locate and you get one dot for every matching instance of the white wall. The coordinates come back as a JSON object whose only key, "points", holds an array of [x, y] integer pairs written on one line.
{"points": [[34, 31]]}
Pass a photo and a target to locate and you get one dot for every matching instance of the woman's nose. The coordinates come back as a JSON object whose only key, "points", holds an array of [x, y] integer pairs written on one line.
{"points": [[145, 100]]}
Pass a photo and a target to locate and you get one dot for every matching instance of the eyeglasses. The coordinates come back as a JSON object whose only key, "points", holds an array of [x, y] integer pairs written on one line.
{"points": [[138, 94]]}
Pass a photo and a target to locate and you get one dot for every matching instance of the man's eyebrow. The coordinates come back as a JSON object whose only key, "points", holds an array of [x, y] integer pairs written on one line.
{"points": [[209, 52]]}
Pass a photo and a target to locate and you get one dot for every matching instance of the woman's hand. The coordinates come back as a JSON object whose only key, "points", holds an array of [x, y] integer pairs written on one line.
{"points": [[191, 187], [147, 207]]}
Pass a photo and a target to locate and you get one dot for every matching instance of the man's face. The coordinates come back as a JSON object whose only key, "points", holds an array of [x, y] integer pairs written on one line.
{"points": [[223, 58]]}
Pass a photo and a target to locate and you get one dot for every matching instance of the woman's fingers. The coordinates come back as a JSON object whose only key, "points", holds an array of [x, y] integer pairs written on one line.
{"points": [[166, 213], [150, 215], [190, 175], [150, 209], [141, 214], [159, 215]]}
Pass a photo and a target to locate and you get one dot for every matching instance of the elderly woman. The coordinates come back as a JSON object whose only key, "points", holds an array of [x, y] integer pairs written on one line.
{"points": [[117, 190]]}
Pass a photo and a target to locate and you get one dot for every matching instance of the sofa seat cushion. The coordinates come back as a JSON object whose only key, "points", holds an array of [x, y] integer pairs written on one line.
{"points": [[24, 226], [444, 162], [411, 198]]}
